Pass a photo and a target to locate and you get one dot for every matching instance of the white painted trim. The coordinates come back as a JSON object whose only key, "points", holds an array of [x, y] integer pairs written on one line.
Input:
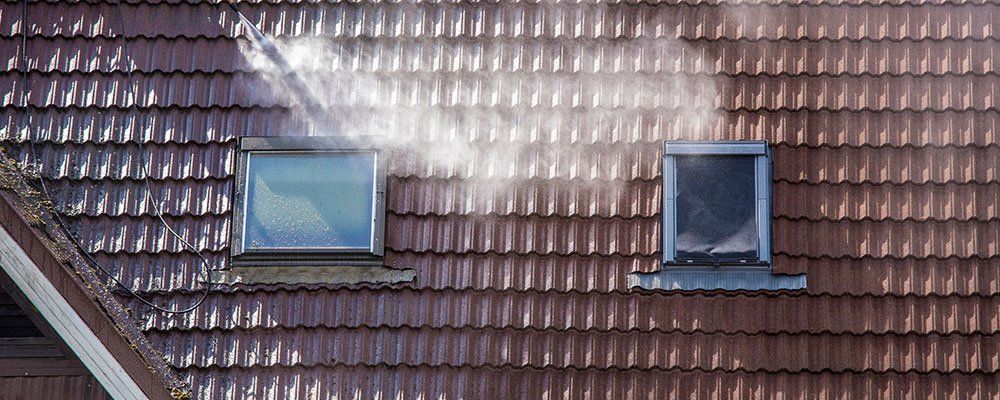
{"points": [[65, 321]]}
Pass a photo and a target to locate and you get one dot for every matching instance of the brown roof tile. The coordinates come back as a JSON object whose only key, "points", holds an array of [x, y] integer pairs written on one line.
{"points": [[433, 196], [712, 312], [447, 20], [460, 383], [620, 351], [950, 201], [841, 276], [887, 239], [882, 111], [584, 162], [563, 92], [951, 276], [813, 128], [536, 55]]}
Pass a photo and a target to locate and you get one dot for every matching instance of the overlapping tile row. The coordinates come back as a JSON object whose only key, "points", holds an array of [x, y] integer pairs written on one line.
{"points": [[812, 128], [162, 272], [950, 201], [381, 382], [538, 55], [649, 351], [133, 197], [839, 276], [831, 129], [557, 198], [146, 124], [563, 92], [599, 163], [279, 307], [517, 235], [492, 20], [641, 198], [950, 276]]}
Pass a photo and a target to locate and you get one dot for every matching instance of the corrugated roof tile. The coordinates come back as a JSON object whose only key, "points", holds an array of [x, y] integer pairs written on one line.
{"points": [[841, 276], [522, 20], [943, 277], [950, 201], [123, 161], [648, 351], [147, 234], [560, 198], [132, 197], [599, 162], [883, 112], [576, 2], [897, 166], [563, 92], [886, 239], [147, 124], [423, 382], [812, 128], [626, 312], [535, 55]]}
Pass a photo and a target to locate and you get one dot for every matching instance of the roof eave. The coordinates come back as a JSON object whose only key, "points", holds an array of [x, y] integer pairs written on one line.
{"points": [[51, 273]]}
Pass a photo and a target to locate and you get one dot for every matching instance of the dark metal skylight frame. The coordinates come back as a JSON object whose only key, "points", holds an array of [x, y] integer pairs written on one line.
{"points": [[242, 255], [762, 174]]}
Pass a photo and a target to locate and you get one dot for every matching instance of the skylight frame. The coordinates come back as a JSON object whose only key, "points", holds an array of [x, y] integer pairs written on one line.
{"points": [[242, 255], [762, 187]]}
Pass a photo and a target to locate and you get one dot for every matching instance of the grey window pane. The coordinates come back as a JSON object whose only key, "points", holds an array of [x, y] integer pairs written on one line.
{"points": [[716, 208], [309, 200]]}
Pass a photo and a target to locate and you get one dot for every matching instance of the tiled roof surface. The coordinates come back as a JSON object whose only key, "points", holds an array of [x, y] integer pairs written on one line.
{"points": [[883, 114]]}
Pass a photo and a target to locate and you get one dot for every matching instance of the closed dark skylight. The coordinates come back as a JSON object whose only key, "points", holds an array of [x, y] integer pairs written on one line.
{"points": [[716, 208]]}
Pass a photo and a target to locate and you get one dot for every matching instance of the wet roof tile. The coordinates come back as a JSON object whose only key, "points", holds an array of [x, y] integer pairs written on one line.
{"points": [[882, 113]]}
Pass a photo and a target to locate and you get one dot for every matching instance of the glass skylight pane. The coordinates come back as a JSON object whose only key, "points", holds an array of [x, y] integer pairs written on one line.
{"points": [[309, 200], [716, 208]]}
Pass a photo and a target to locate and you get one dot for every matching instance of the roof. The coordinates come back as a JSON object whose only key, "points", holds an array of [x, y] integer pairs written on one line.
{"points": [[65, 299], [884, 128]]}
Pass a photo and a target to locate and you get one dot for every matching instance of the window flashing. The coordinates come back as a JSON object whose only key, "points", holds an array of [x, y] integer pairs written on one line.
{"points": [[718, 273], [762, 184], [729, 148], [242, 255]]}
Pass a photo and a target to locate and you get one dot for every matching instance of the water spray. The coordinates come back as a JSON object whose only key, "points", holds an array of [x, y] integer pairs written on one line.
{"points": [[317, 114]]}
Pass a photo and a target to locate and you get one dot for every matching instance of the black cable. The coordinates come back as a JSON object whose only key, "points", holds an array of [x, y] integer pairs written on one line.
{"points": [[145, 169]]}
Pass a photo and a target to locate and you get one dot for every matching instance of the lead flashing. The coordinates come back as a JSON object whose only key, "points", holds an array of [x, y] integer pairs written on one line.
{"points": [[748, 148]]}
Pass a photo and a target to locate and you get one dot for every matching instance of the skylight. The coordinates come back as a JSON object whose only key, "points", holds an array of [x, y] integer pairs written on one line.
{"points": [[306, 198], [717, 203]]}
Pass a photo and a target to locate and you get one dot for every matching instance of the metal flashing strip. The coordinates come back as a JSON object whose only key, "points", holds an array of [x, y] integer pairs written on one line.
{"points": [[65, 321], [748, 148], [715, 279]]}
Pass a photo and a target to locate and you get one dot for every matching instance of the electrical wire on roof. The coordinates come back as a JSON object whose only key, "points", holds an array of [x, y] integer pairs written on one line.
{"points": [[26, 119]]}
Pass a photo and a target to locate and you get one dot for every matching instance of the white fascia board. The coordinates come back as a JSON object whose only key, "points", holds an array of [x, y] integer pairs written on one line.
{"points": [[65, 321]]}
